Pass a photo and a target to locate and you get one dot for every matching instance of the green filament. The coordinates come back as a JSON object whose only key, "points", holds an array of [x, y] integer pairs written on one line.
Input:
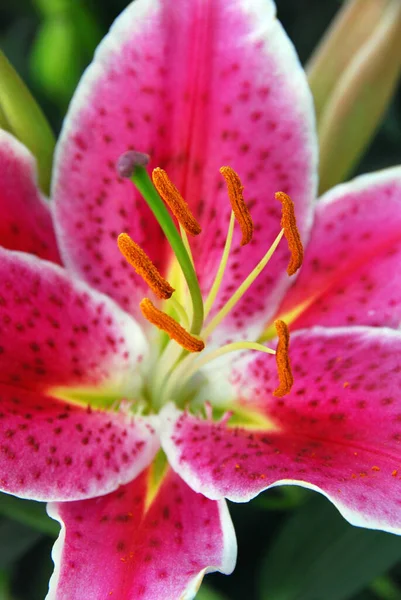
{"points": [[143, 183]]}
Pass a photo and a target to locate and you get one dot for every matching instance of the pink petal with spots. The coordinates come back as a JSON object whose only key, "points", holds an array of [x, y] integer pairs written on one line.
{"points": [[51, 450], [26, 222], [118, 547], [338, 431], [351, 269], [57, 332], [197, 85]]}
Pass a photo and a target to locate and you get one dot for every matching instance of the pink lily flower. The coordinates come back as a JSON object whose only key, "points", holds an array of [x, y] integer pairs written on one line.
{"points": [[90, 394]]}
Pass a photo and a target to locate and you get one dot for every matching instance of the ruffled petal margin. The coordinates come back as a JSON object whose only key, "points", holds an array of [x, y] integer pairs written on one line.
{"points": [[338, 431], [133, 546]]}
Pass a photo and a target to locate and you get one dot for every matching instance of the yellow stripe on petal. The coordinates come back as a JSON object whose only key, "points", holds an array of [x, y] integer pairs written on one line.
{"points": [[157, 473]]}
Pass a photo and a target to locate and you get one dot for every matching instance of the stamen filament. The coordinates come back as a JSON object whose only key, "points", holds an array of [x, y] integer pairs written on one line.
{"points": [[171, 327], [181, 312], [165, 364], [192, 363], [242, 289], [141, 180], [222, 267], [175, 201], [185, 241], [142, 264]]}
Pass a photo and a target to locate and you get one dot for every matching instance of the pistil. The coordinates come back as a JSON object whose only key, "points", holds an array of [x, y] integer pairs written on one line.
{"points": [[141, 180]]}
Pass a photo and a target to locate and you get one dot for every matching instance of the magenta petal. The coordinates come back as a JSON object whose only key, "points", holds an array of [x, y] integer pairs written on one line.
{"points": [[51, 450], [26, 223], [196, 85], [58, 332], [338, 431], [117, 547], [351, 270]]}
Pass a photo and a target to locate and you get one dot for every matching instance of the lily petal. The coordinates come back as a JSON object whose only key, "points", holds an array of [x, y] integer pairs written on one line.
{"points": [[57, 332], [152, 552], [350, 273], [26, 222], [338, 431], [51, 450], [196, 85]]}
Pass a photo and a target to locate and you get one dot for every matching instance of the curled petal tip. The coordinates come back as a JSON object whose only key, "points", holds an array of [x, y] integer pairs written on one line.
{"points": [[129, 160]]}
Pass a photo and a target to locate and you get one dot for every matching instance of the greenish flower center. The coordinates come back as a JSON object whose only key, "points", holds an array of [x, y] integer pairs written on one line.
{"points": [[175, 371], [177, 368]]}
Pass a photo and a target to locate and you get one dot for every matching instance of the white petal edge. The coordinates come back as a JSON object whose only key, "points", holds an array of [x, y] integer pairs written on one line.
{"points": [[121, 30], [360, 184], [230, 551], [56, 551]]}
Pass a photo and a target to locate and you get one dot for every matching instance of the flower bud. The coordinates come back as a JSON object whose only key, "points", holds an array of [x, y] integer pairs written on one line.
{"points": [[350, 29], [21, 116], [359, 98]]}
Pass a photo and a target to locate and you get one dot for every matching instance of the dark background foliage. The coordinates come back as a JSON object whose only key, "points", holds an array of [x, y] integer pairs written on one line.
{"points": [[292, 544]]}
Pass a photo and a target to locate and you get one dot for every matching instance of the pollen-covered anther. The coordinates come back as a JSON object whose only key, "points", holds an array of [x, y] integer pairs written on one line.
{"points": [[282, 359], [289, 224], [142, 264], [240, 209], [171, 327], [175, 201]]}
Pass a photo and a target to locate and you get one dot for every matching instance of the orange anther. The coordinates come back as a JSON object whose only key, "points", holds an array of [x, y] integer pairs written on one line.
{"points": [[240, 209], [171, 327], [142, 264], [175, 201], [282, 359], [289, 224]]}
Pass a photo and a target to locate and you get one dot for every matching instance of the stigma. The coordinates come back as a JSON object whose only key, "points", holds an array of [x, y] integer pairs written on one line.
{"points": [[179, 361]]}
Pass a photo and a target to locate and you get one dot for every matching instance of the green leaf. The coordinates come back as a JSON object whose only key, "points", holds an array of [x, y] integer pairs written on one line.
{"points": [[28, 512], [285, 497], [15, 541], [208, 593], [318, 555]]}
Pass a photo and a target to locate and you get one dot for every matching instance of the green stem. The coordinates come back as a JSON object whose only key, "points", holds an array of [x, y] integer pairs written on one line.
{"points": [[143, 183]]}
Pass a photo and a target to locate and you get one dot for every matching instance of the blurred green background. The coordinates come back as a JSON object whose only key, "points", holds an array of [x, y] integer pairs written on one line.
{"points": [[293, 545]]}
